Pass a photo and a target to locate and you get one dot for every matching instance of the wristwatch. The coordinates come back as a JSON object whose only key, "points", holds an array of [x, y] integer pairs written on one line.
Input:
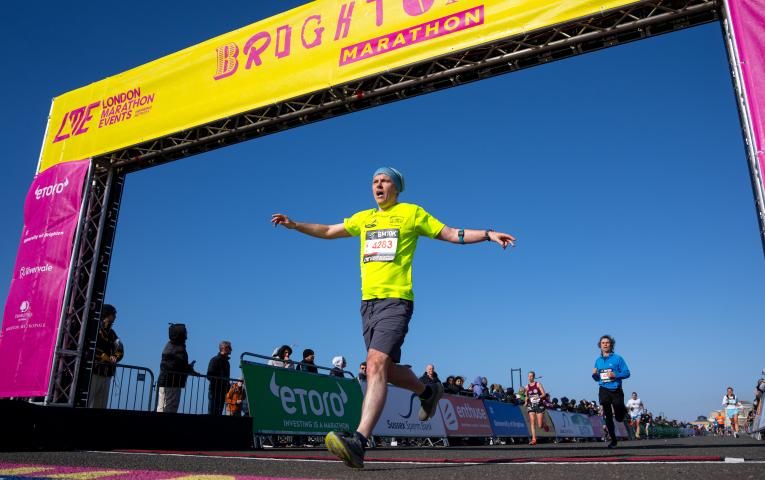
{"points": [[486, 234]]}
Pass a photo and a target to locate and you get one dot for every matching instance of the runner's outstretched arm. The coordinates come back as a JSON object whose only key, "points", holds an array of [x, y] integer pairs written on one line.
{"points": [[450, 234], [317, 230]]}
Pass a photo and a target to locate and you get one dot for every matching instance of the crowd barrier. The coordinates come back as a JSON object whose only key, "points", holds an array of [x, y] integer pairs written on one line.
{"points": [[288, 402], [194, 392], [285, 401], [131, 388]]}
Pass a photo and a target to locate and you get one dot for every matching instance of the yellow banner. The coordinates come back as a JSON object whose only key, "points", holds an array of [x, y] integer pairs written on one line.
{"points": [[309, 48]]}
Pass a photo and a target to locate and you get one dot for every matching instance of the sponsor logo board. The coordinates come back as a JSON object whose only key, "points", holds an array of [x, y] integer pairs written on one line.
{"points": [[506, 420], [399, 417], [284, 400], [36, 296], [571, 424], [464, 417]]}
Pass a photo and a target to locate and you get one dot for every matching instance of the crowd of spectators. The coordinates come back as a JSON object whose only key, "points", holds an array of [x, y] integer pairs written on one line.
{"points": [[480, 388]]}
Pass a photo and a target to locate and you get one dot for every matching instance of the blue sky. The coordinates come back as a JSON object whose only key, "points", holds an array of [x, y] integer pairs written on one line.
{"points": [[621, 172]]}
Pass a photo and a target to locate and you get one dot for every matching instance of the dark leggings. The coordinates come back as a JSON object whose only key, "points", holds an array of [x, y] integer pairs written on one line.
{"points": [[613, 406]]}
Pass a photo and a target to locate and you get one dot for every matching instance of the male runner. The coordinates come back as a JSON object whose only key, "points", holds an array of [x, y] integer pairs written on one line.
{"points": [[636, 408], [389, 236], [610, 369]]}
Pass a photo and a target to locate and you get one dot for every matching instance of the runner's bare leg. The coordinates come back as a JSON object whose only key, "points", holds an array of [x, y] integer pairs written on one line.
{"points": [[380, 371]]}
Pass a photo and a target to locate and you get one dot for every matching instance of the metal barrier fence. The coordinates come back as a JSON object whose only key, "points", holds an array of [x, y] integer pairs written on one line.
{"points": [[270, 360], [190, 393], [131, 387]]}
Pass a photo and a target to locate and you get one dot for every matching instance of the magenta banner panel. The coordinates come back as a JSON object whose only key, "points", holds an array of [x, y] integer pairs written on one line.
{"points": [[748, 19], [33, 309]]}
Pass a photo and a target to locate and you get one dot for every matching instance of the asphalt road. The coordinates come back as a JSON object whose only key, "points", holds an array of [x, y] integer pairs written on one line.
{"points": [[640, 459]]}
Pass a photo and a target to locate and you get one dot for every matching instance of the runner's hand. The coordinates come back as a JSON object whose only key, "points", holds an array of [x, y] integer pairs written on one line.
{"points": [[503, 239], [279, 219]]}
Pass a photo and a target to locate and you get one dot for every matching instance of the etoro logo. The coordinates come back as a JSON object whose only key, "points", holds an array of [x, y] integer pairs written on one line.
{"points": [[300, 400], [51, 190], [24, 307]]}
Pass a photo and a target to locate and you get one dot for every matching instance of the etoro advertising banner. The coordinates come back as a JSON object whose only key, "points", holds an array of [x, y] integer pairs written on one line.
{"points": [[33, 309], [283, 400], [306, 49], [399, 417]]}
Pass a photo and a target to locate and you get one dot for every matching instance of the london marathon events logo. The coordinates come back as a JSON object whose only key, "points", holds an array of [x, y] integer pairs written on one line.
{"points": [[112, 110]]}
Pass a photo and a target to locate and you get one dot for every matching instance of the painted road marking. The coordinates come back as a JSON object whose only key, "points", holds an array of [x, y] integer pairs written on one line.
{"points": [[454, 464], [56, 472], [22, 470]]}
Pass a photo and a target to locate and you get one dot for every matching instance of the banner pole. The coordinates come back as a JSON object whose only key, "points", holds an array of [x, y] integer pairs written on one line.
{"points": [[70, 280]]}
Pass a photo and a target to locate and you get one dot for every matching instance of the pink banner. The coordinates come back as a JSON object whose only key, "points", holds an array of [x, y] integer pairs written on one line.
{"points": [[33, 309], [748, 19]]}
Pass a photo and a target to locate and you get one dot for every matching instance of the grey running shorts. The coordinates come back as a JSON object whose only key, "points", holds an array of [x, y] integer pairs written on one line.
{"points": [[384, 323]]}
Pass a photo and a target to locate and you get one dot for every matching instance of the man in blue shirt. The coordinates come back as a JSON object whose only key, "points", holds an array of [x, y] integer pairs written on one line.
{"points": [[610, 369]]}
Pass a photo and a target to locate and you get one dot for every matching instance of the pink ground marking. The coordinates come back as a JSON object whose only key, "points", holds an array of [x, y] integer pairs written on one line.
{"points": [[125, 474]]}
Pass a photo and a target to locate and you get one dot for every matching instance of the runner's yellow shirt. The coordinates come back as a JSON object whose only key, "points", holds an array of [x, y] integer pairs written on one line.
{"points": [[388, 240]]}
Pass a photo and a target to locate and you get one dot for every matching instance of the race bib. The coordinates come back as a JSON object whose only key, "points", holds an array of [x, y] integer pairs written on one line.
{"points": [[605, 376], [534, 399], [381, 245]]}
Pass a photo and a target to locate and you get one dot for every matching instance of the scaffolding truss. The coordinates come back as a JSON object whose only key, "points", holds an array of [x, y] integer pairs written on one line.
{"points": [[74, 353]]}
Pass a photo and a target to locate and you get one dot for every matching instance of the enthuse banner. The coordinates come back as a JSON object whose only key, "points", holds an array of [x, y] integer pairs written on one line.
{"points": [[33, 309], [307, 49]]}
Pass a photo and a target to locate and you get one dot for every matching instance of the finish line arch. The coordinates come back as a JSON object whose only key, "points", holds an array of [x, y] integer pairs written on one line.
{"points": [[93, 247]]}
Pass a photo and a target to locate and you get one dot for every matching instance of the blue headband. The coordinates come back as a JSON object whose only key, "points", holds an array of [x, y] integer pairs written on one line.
{"points": [[394, 175]]}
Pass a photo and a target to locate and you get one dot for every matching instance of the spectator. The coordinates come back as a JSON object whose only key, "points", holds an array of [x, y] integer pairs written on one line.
{"points": [[218, 373], [479, 387], [459, 382], [109, 351], [510, 396], [547, 403], [363, 371], [338, 366], [430, 377], [174, 369], [281, 357], [308, 365], [521, 396], [497, 393], [555, 404], [235, 398], [450, 386]]}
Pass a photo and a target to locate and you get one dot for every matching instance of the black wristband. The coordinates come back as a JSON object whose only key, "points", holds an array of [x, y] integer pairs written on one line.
{"points": [[486, 234]]}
